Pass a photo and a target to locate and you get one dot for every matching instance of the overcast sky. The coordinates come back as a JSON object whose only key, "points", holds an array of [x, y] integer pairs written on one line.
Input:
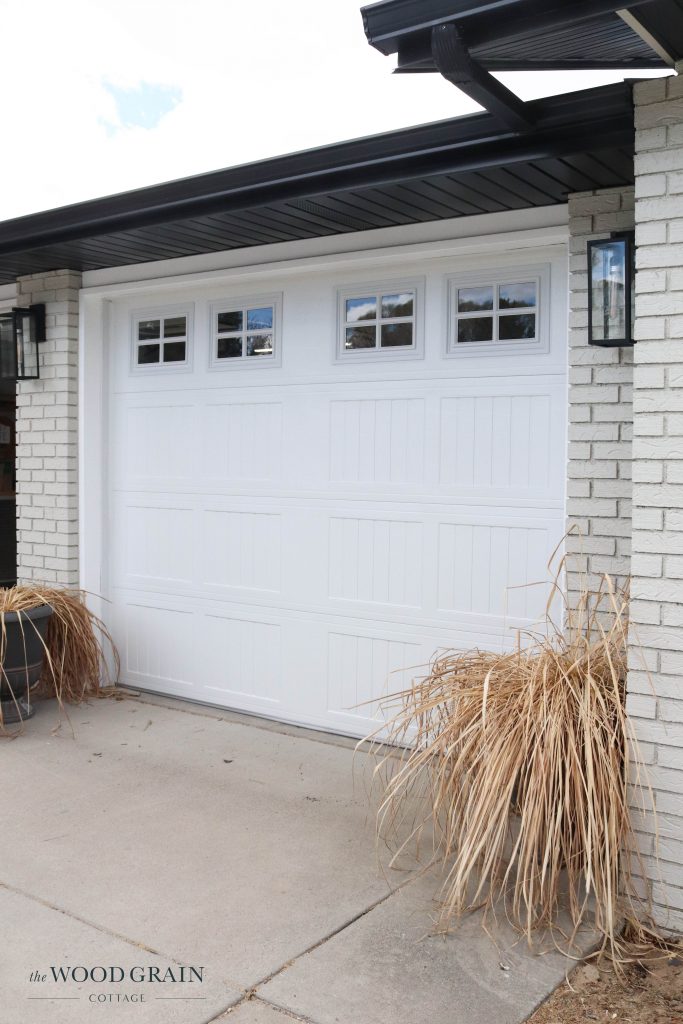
{"points": [[101, 96]]}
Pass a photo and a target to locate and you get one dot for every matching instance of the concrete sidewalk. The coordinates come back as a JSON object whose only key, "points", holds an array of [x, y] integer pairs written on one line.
{"points": [[162, 834]]}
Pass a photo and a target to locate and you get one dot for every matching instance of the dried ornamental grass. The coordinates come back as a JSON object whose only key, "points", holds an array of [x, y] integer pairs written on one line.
{"points": [[516, 764], [77, 646]]}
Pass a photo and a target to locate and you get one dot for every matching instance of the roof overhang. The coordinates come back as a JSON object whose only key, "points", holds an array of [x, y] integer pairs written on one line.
{"points": [[468, 165], [527, 35]]}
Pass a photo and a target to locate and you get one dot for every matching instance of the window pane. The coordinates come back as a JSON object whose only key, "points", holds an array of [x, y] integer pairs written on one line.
{"points": [[149, 329], [478, 328], [260, 345], [516, 327], [229, 348], [361, 309], [175, 327], [230, 321], [360, 337], [397, 305], [608, 299], [512, 296], [174, 352], [470, 300], [148, 354], [260, 319], [397, 334]]}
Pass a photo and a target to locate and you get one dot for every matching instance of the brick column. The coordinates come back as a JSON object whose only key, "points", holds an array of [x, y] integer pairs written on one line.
{"points": [[600, 411], [47, 438], [655, 680]]}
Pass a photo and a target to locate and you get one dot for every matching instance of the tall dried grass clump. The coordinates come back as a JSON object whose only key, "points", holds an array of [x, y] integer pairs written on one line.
{"points": [[80, 656], [516, 765]]}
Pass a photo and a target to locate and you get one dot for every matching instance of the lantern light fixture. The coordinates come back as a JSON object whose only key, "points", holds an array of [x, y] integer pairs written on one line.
{"points": [[22, 329], [611, 290]]}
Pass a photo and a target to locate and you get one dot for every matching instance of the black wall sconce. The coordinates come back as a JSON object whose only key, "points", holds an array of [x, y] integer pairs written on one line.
{"points": [[611, 290], [21, 331]]}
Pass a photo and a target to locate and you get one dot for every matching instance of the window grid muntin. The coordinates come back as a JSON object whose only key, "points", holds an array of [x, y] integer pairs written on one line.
{"points": [[495, 313], [378, 321], [245, 333], [161, 340]]}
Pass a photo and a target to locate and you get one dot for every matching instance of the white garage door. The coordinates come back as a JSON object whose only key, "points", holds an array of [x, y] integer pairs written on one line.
{"points": [[297, 524]]}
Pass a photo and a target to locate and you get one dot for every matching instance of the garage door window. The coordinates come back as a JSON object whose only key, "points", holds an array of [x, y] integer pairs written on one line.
{"points": [[379, 321], [245, 332], [495, 311], [161, 340]]}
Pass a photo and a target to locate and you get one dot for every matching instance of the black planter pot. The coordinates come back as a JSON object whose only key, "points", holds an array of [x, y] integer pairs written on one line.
{"points": [[22, 664]]}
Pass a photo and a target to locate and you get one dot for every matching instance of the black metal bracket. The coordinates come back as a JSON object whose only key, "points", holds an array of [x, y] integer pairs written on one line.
{"points": [[452, 59]]}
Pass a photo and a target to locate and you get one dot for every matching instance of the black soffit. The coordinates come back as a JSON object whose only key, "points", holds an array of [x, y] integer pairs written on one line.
{"points": [[527, 35], [460, 167]]}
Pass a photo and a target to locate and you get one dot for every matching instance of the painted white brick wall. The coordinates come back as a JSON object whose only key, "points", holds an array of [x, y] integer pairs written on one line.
{"points": [[600, 411], [656, 675], [47, 438]]}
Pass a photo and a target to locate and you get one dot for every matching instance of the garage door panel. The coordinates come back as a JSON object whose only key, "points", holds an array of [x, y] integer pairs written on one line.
{"points": [[430, 563], [156, 444], [287, 662], [296, 540], [159, 644], [241, 550], [242, 441], [481, 568], [159, 544], [375, 560], [500, 445], [242, 659], [362, 666], [377, 441], [487, 445]]}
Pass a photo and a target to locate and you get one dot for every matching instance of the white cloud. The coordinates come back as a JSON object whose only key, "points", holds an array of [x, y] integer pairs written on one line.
{"points": [[255, 80]]}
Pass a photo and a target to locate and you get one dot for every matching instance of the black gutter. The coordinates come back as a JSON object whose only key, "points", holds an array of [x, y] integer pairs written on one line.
{"points": [[570, 123]]}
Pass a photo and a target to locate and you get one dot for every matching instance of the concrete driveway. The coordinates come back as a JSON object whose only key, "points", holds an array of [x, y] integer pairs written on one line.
{"points": [[161, 843]]}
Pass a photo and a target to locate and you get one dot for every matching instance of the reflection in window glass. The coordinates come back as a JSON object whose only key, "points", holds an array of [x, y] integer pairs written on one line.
{"points": [[245, 332], [229, 348], [380, 321], [514, 328], [260, 345], [361, 337], [512, 312], [230, 321], [175, 327], [153, 340], [514, 296], [260, 319], [397, 305], [397, 334], [608, 299], [471, 300], [361, 309], [476, 328], [148, 329], [148, 354]]}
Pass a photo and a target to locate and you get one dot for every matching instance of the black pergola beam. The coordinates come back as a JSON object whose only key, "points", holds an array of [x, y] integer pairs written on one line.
{"points": [[534, 16], [457, 67], [414, 56], [481, 23]]}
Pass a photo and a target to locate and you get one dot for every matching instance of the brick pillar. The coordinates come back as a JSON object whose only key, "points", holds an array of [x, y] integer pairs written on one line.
{"points": [[600, 411], [47, 438], [656, 676]]}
